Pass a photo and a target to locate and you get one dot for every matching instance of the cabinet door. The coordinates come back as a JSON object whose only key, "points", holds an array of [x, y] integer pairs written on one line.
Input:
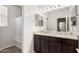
{"points": [[67, 49], [37, 43], [44, 45], [69, 46], [55, 45]]}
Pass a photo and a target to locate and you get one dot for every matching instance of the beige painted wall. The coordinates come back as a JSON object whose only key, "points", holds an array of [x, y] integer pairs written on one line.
{"points": [[7, 34], [29, 17]]}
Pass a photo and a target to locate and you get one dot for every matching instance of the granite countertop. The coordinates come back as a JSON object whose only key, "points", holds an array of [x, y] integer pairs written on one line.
{"points": [[57, 34]]}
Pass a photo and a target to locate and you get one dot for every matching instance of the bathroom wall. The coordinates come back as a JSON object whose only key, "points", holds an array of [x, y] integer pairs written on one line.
{"points": [[7, 34], [28, 26]]}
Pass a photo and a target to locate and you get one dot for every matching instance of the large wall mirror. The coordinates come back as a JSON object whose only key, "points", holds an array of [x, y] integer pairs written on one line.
{"points": [[59, 20], [63, 19]]}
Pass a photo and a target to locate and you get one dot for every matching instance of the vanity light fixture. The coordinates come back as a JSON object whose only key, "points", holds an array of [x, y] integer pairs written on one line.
{"points": [[56, 6], [41, 9], [50, 7], [44, 8]]}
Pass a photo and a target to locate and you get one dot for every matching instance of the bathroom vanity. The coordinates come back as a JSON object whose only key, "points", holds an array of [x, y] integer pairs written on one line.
{"points": [[61, 28], [55, 42]]}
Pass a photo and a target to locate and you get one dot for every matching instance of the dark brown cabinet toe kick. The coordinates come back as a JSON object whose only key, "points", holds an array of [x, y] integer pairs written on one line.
{"points": [[47, 44]]}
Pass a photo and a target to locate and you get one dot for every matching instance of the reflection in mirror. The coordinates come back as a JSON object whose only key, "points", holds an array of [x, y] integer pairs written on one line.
{"points": [[58, 20], [38, 20], [62, 20], [61, 24], [73, 19]]}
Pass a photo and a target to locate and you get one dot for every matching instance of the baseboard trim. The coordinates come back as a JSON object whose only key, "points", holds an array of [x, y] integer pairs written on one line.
{"points": [[6, 47], [18, 44]]}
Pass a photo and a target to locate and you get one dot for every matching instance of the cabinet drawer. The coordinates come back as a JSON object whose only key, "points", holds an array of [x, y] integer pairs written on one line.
{"points": [[56, 40], [67, 49], [37, 36], [68, 41], [44, 38]]}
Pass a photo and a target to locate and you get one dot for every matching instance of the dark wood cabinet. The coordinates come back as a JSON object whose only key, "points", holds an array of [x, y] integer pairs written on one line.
{"points": [[46, 44], [69, 46], [37, 43], [55, 45]]}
